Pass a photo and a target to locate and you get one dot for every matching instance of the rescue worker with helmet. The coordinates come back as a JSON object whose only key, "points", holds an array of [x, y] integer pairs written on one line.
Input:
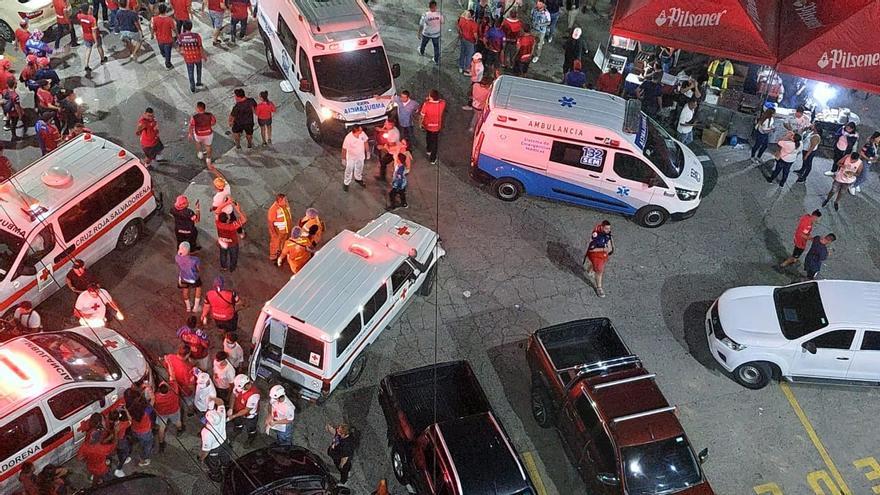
{"points": [[216, 452], [245, 407], [297, 250], [280, 416], [280, 224], [313, 226]]}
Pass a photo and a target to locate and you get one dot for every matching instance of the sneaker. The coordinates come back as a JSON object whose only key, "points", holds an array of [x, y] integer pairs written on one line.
{"points": [[535, 60], [201, 155], [858, 189], [200, 85], [836, 206], [144, 463], [801, 180], [825, 203], [250, 145], [434, 162], [119, 473], [404, 205], [127, 460], [829, 173], [188, 306], [169, 66], [852, 190], [460, 70], [74, 45], [467, 73], [361, 183], [467, 107], [345, 187], [87, 69], [600, 292], [549, 39]]}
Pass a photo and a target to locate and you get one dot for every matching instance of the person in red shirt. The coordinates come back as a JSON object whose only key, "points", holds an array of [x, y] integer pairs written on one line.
{"points": [[264, 111], [63, 15], [48, 135], [162, 27], [610, 82], [180, 374], [227, 236], [148, 130], [238, 11], [21, 35], [525, 45], [512, 28], [91, 35], [432, 122], [13, 114], [802, 234], [216, 13], [113, 7], [201, 131], [220, 303], [6, 170], [141, 424], [467, 35], [167, 407], [190, 46], [182, 9], [95, 454], [121, 424]]}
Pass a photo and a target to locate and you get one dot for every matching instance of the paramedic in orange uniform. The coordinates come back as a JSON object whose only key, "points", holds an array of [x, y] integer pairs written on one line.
{"points": [[280, 223], [297, 250], [312, 226]]}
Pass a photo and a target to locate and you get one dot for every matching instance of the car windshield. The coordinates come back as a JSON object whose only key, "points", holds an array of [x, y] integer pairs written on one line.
{"points": [[660, 467], [10, 245], [663, 151], [83, 359], [354, 75], [799, 309]]}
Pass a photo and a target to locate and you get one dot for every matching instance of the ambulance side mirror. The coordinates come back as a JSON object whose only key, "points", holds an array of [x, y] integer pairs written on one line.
{"points": [[27, 270], [395, 70], [305, 86]]}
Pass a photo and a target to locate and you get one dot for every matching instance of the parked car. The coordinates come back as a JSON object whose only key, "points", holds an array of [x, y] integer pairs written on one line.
{"points": [[277, 470], [615, 425], [817, 331], [134, 483], [444, 437], [39, 13]]}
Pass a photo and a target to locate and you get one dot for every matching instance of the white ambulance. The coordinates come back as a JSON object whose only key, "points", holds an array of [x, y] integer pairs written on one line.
{"points": [[583, 147], [331, 55], [314, 332], [80, 201], [50, 383]]}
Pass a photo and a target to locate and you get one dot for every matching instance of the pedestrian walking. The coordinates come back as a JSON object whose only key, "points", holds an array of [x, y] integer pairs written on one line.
{"points": [[811, 140], [241, 118], [575, 77], [355, 150], [430, 28], [188, 276], [185, 221], [341, 449], [79, 279], [817, 254], [221, 304], [120, 425], [113, 8], [572, 7], [201, 132], [574, 48], [264, 111], [196, 341], [599, 250], [216, 14], [479, 99], [130, 32], [228, 237], [847, 138], [801, 235], [789, 149], [91, 306], [167, 408], [280, 417], [869, 155], [686, 120], [554, 7], [91, 36], [848, 169], [64, 17], [223, 375], [180, 374], [182, 10], [190, 46], [512, 28], [148, 131], [398, 184], [234, 351], [432, 122], [406, 109], [297, 250], [238, 13], [763, 128], [312, 226], [467, 37], [215, 451], [280, 222], [245, 407], [387, 138], [163, 30], [540, 24], [13, 111]]}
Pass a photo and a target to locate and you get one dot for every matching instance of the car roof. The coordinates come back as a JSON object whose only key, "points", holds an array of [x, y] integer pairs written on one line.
{"points": [[851, 301], [87, 159], [483, 458], [268, 465]]}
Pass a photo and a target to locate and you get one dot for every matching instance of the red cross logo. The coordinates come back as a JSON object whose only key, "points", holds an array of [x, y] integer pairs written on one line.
{"points": [[111, 344], [83, 426], [403, 230], [44, 275], [403, 294]]}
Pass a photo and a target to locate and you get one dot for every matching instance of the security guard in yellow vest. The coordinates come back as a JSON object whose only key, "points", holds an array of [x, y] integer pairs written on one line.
{"points": [[297, 250], [280, 224]]}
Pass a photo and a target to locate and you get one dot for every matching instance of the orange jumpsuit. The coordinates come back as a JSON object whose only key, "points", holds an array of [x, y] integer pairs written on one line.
{"points": [[297, 252], [307, 223], [280, 223]]}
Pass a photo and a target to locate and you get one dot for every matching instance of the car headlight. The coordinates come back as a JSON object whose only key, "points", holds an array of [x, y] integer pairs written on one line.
{"points": [[391, 107], [733, 346], [686, 194], [328, 113]]}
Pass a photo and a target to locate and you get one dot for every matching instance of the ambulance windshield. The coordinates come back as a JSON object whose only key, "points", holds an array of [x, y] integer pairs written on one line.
{"points": [[83, 360], [354, 75], [10, 245], [662, 150]]}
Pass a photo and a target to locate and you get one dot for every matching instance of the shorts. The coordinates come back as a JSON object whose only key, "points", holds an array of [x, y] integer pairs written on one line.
{"points": [[246, 128], [89, 44], [797, 252], [597, 260], [153, 151], [837, 186], [170, 419], [264, 122], [216, 19], [183, 284], [130, 36], [205, 140]]}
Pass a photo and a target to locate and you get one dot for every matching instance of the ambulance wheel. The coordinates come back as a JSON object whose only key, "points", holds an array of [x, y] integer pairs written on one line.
{"points": [[313, 124], [507, 189], [428, 284], [130, 234], [356, 370], [651, 216], [6, 32], [270, 57], [398, 464]]}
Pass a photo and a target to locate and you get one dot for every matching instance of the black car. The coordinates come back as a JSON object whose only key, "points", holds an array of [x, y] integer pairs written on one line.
{"points": [[280, 470], [135, 483]]}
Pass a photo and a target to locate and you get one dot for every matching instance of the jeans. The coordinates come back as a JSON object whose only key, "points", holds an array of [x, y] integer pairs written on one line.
{"points": [[686, 138], [432, 139], [285, 437], [146, 441], [805, 169], [123, 452], [554, 18], [61, 31], [406, 132], [435, 42], [863, 176], [229, 257], [96, 4], [165, 50], [838, 155], [396, 194], [113, 26], [783, 167], [241, 32], [760, 145], [197, 69], [466, 51]]}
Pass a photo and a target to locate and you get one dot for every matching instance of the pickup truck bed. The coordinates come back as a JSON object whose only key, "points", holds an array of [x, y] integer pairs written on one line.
{"points": [[578, 343], [435, 394]]}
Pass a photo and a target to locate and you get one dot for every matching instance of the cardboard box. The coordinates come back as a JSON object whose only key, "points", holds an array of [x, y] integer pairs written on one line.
{"points": [[714, 137]]}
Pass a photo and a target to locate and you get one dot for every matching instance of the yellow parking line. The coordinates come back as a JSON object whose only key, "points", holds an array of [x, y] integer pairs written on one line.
{"points": [[808, 427], [532, 468]]}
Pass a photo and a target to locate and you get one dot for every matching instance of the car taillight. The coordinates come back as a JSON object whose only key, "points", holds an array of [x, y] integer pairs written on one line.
{"points": [[30, 15], [475, 155]]}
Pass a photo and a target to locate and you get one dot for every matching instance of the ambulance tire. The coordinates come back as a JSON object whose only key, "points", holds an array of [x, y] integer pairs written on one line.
{"points": [[6, 32], [398, 464], [428, 284], [357, 369], [270, 57], [651, 216], [507, 189], [130, 234], [313, 125]]}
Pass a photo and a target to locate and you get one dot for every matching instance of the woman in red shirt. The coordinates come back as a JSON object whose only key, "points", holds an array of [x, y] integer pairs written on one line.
{"points": [[141, 425], [264, 111]]}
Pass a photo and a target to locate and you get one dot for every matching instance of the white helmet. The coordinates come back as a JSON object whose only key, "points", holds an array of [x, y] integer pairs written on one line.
{"points": [[203, 379], [240, 381], [276, 392], [213, 418]]}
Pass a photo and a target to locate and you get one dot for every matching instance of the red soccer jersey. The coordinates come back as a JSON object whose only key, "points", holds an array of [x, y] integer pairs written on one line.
{"points": [[163, 27], [190, 45], [525, 45], [112, 4], [22, 35], [468, 29], [181, 9], [88, 23], [182, 373], [202, 123], [264, 110], [228, 232], [149, 133], [804, 229], [167, 404], [239, 9], [511, 28], [432, 115], [60, 16], [94, 455]]}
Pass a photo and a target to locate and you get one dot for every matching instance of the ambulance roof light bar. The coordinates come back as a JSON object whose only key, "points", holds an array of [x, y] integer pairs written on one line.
{"points": [[360, 250]]}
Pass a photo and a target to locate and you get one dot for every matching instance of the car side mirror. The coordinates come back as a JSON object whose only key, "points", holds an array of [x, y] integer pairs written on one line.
{"points": [[608, 479], [395, 70], [102, 402], [809, 347], [286, 87], [27, 270], [342, 490], [305, 86], [703, 455]]}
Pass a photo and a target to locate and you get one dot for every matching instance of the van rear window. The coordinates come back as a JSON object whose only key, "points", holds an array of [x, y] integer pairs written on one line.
{"points": [[304, 348]]}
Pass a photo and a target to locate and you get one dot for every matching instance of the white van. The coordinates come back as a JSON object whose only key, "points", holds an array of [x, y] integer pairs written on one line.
{"points": [[331, 53], [314, 332], [583, 147], [50, 383], [80, 201]]}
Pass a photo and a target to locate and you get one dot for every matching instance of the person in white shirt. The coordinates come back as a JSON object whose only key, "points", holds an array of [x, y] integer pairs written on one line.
{"points": [[430, 28], [245, 407], [799, 123], [281, 414], [686, 120], [355, 149], [223, 375], [789, 149], [91, 306], [763, 128], [233, 350], [215, 451], [206, 395], [26, 319]]}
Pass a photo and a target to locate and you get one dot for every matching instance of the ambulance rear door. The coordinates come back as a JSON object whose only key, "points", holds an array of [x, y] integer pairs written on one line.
{"points": [[303, 361]]}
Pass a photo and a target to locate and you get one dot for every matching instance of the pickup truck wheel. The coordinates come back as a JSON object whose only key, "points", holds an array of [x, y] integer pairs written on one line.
{"points": [[356, 370], [541, 410], [398, 464], [753, 375], [428, 284]]}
